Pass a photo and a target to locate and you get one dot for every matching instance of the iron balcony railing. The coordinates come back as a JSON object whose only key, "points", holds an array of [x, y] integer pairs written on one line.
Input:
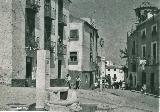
{"points": [[49, 11], [62, 19], [33, 4]]}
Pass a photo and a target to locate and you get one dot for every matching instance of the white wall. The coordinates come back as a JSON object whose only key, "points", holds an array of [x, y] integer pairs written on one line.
{"points": [[119, 73], [76, 46]]}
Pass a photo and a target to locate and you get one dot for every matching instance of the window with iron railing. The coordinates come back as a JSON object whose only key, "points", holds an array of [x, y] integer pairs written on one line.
{"points": [[33, 4], [73, 59], [62, 19]]}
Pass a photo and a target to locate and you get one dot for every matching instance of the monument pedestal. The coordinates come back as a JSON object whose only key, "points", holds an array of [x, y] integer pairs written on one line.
{"points": [[42, 77]]}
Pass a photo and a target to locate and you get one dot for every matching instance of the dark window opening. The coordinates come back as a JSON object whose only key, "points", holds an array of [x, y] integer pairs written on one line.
{"points": [[134, 48], [143, 52], [74, 34], [73, 60], [73, 56], [154, 52], [154, 30], [143, 34], [143, 78]]}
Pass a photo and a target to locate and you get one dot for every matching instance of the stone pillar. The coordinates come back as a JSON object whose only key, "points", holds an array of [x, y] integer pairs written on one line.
{"points": [[42, 77]]}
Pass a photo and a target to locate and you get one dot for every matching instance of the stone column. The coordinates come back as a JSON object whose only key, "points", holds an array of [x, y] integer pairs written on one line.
{"points": [[42, 77]]}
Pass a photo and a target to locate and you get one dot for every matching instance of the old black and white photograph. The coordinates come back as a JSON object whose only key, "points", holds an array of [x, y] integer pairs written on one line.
{"points": [[80, 55]]}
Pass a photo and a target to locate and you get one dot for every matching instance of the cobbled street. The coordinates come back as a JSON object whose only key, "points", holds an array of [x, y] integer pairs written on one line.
{"points": [[110, 100]]}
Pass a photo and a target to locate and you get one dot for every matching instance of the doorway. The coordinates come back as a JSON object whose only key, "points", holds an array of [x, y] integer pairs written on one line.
{"points": [[91, 79], [59, 68], [143, 78], [130, 80], [152, 82], [29, 71]]}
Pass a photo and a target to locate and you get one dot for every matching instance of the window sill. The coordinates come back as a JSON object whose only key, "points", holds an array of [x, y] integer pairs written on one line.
{"points": [[73, 63], [73, 39]]}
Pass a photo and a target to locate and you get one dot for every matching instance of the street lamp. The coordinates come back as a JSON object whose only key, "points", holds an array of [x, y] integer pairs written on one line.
{"points": [[102, 45]]}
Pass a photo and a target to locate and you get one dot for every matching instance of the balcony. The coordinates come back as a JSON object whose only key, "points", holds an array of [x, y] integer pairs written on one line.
{"points": [[50, 12], [62, 49], [62, 20], [33, 4]]}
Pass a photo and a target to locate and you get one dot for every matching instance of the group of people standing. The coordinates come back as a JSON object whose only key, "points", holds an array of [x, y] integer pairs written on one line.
{"points": [[108, 83], [68, 81]]}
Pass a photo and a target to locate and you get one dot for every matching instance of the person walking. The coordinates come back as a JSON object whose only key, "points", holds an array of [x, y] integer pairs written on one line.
{"points": [[143, 89], [68, 79], [109, 80], [78, 82]]}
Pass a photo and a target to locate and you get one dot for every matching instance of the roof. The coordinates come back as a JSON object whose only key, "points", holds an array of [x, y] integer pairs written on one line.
{"points": [[75, 19], [158, 14], [113, 67]]}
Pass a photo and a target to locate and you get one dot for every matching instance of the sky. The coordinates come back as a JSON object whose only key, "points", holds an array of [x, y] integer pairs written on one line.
{"points": [[114, 18]]}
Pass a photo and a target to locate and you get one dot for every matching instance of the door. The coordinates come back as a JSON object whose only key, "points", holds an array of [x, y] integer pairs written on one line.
{"points": [[91, 79], [130, 81], [152, 82], [143, 78], [29, 70], [59, 68]]}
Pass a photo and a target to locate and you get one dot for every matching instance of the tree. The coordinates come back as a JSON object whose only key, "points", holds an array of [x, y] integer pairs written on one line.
{"points": [[124, 53]]}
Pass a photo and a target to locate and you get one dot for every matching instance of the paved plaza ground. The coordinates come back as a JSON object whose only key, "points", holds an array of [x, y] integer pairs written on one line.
{"points": [[112, 100]]}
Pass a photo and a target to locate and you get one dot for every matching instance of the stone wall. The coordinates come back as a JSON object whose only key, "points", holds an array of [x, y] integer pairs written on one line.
{"points": [[6, 40]]}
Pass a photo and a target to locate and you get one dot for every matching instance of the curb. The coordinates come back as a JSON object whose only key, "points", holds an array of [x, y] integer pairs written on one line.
{"points": [[157, 96]]}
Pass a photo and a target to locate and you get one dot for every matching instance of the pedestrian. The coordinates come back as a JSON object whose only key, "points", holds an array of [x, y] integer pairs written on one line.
{"points": [[123, 85], [109, 80], [78, 82], [120, 84], [68, 79], [143, 89]]}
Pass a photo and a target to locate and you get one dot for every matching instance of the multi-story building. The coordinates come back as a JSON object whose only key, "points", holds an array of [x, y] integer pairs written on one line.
{"points": [[143, 46], [115, 71], [27, 26], [82, 50]]}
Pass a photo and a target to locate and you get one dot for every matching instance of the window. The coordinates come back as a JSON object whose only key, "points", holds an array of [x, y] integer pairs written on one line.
{"points": [[154, 29], [115, 77], [73, 58], [143, 33], [154, 52], [143, 51], [74, 34], [134, 48]]}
